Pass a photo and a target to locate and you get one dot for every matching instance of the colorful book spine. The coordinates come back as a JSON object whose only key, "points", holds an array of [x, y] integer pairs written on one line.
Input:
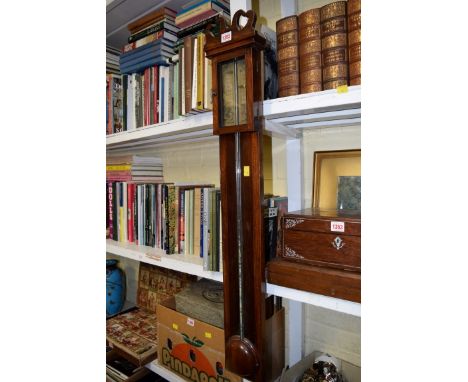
{"points": [[182, 221], [143, 41], [172, 216], [115, 209], [110, 211], [148, 31], [130, 206]]}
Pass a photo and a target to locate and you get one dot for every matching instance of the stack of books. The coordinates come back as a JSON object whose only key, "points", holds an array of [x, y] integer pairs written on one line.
{"points": [[196, 12], [134, 168], [112, 60], [151, 41]]}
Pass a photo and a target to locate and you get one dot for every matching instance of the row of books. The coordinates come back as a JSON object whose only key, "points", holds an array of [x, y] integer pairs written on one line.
{"points": [[320, 49], [177, 218], [165, 72]]}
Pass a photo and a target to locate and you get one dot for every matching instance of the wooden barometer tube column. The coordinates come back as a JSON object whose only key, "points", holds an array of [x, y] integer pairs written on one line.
{"points": [[237, 88]]}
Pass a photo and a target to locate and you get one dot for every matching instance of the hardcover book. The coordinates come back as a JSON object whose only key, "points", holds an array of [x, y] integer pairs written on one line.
{"points": [[155, 47], [333, 29], [162, 25], [116, 103], [354, 41], [310, 48], [188, 64], [151, 18], [288, 56]]}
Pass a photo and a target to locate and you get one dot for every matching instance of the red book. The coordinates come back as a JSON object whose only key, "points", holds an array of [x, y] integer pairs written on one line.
{"points": [[110, 211], [109, 100], [146, 97], [156, 94], [143, 41], [196, 19], [130, 197]]}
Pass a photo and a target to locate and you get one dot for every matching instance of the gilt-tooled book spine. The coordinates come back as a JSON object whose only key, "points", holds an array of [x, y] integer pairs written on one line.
{"points": [[333, 29], [354, 41], [310, 51], [288, 56], [172, 215]]}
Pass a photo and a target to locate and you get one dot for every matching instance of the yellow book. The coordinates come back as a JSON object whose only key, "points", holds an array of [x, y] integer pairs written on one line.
{"points": [[118, 167], [200, 69]]}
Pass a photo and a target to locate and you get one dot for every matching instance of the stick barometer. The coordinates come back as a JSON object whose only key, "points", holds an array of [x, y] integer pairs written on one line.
{"points": [[237, 91]]}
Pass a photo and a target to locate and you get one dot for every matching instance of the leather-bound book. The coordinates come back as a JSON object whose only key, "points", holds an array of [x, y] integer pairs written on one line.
{"points": [[288, 56], [354, 41], [333, 29], [310, 51]]}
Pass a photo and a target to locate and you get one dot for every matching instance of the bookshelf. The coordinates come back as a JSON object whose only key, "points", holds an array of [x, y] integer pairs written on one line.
{"points": [[187, 264], [287, 118]]}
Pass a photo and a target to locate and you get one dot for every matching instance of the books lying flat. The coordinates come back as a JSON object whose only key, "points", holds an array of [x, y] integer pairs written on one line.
{"points": [[159, 45], [133, 160], [141, 65]]}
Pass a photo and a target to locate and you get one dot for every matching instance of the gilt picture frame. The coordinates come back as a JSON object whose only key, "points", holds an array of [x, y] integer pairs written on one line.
{"points": [[331, 167]]}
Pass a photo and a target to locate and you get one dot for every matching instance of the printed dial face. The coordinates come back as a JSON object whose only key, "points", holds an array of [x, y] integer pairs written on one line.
{"points": [[233, 93]]}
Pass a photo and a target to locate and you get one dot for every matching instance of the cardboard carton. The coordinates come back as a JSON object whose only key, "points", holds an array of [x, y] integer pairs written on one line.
{"points": [[190, 348]]}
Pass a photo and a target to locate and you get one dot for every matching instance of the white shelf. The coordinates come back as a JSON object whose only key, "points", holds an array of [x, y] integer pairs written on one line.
{"points": [[336, 304], [163, 372], [328, 108], [190, 264], [285, 116], [189, 128]]}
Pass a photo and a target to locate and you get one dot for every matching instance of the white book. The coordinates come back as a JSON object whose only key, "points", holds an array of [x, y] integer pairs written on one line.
{"points": [[176, 90], [194, 71], [206, 214], [207, 84], [170, 97], [160, 95], [133, 104], [182, 81], [164, 93], [130, 104]]}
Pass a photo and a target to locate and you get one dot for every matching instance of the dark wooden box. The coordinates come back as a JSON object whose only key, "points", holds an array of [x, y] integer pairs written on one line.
{"points": [[329, 238], [321, 253]]}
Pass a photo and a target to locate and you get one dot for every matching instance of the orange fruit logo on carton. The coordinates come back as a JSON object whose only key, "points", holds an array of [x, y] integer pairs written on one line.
{"points": [[186, 359]]}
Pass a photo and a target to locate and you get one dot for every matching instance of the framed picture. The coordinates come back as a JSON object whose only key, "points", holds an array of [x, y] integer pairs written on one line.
{"points": [[337, 179]]}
